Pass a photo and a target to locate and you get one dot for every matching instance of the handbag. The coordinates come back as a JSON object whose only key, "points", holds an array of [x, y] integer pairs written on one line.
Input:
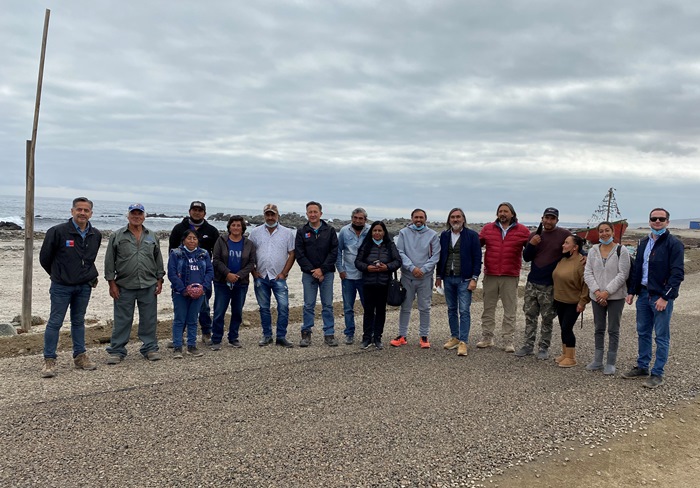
{"points": [[396, 293]]}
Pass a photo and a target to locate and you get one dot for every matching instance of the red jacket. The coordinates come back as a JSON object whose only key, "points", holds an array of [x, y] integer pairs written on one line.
{"points": [[504, 256]]}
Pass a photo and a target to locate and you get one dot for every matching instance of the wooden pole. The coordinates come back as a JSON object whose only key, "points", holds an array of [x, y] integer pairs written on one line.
{"points": [[26, 316]]}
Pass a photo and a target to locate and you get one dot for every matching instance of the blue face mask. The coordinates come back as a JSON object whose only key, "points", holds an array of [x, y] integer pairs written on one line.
{"points": [[271, 226], [658, 232], [377, 242], [415, 227], [606, 241]]}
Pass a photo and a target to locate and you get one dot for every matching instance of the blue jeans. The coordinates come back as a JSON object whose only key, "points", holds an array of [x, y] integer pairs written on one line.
{"points": [[186, 311], [351, 288], [264, 288], [63, 296], [648, 320], [458, 297], [312, 287], [205, 313], [224, 296]]}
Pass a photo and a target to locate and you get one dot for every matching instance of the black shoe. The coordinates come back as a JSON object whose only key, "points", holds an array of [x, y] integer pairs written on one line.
{"points": [[305, 339], [237, 344], [329, 340], [378, 344], [281, 341], [365, 344], [636, 372], [349, 340], [265, 341], [194, 352], [654, 381]]}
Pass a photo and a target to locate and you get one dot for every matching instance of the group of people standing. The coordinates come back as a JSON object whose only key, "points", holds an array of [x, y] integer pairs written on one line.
{"points": [[561, 282]]}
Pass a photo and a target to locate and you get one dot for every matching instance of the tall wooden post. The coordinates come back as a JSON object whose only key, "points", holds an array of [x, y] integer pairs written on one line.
{"points": [[26, 316]]}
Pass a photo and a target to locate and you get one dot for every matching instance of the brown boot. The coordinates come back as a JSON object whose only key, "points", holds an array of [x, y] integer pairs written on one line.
{"points": [[82, 361], [570, 359], [49, 370], [559, 359]]}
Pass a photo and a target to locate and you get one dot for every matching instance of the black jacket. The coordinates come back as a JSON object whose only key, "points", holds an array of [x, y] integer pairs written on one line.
{"points": [[67, 257], [666, 269], [316, 249], [369, 253], [206, 233], [220, 260]]}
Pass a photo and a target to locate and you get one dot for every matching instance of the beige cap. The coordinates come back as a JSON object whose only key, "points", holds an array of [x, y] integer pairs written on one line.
{"points": [[270, 207]]}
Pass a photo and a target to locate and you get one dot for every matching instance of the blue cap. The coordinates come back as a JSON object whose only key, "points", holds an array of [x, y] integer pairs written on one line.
{"points": [[136, 206]]}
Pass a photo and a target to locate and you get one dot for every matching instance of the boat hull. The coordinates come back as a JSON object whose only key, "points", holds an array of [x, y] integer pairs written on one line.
{"points": [[591, 233]]}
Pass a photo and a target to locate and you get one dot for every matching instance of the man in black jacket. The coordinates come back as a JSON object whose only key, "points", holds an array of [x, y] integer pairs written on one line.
{"points": [[207, 235], [316, 250], [68, 256]]}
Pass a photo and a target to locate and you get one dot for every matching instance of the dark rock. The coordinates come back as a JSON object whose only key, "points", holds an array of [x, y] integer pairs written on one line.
{"points": [[9, 226]]}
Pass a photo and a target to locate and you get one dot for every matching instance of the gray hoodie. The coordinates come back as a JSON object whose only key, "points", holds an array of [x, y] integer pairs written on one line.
{"points": [[418, 249]]}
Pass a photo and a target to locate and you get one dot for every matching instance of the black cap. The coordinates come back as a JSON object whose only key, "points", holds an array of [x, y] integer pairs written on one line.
{"points": [[198, 204], [551, 211]]}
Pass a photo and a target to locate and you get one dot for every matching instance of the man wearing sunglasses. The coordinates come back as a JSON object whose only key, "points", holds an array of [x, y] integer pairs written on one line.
{"points": [[658, 273]]}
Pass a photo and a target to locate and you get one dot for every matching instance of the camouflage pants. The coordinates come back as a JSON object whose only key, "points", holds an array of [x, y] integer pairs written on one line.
{"points": [[539, 300]]}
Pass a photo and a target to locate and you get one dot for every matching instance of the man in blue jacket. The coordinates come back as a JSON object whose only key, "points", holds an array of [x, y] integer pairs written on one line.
{"points": [[658, 273], [68, 255], [458, 270]]}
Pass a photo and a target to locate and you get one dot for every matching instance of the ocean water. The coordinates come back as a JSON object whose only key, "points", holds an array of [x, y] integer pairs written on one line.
{"points": [[107, 215]]}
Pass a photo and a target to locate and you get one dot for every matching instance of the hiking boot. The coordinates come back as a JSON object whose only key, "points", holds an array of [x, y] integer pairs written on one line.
{"points": [[462, 348], [636, 372], [177, 353], [509, 347], [451, 344], [378, 344], [215, 347], [265, 341], [237, 344], [484, 343], [365, 344], [329, 340], [194, 352], [82, 361], [349, 340], [399, 341], [206, 339], [305, 339], [654, 381], [597, 362], [49, 369], [569, 360], [524, 351], [281, 341], [114, 359], [152, 356], [543, 354], [424, 343]]}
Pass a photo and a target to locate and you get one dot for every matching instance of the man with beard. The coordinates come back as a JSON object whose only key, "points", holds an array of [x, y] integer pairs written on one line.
{"points": [[207, 235], [503, 241], [544, 252], [350, 237]]}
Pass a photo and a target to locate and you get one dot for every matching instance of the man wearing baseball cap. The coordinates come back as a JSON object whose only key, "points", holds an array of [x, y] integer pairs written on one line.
{"points": [[544, 252], [207, 235]]}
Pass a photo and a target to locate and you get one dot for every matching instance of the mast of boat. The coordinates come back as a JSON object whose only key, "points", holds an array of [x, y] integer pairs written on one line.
{"points": [[609, 202]]}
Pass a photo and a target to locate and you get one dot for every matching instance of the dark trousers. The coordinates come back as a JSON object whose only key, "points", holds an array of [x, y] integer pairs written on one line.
{"points": [[567, 314], [375, 311]]}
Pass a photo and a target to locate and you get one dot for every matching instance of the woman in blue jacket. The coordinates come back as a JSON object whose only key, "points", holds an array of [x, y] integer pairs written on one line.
{"points": [[190, 272]]}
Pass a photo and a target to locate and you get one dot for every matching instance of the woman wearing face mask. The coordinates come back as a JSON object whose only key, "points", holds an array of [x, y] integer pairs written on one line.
{"points": [[606, 274], [190, 273], [377, 258], [570, 296]]}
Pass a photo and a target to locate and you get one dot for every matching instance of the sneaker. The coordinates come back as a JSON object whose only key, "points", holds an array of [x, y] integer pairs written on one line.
{"points": [[194, 352], [543, 354], [378, 344], [636, 372], [237, 344], [215, 347], [462, 348], [654, 381], [329, 340], [510, 348], [265, 341], [349, 340], [82, 361], [153, 356], [114, 359], [206, 339], [399, 341], [281, 341], [305, 339], [49, 369], [177, 353], [365, 344], [424, 343], [524, 351], [484, 343], [451, 344]]}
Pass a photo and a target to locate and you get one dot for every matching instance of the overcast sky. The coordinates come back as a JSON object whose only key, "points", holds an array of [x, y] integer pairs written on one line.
{"points": [[383, 104]]}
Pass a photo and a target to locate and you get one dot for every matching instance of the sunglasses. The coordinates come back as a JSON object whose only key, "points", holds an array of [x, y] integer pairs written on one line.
{"points": [[657, 219]]}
